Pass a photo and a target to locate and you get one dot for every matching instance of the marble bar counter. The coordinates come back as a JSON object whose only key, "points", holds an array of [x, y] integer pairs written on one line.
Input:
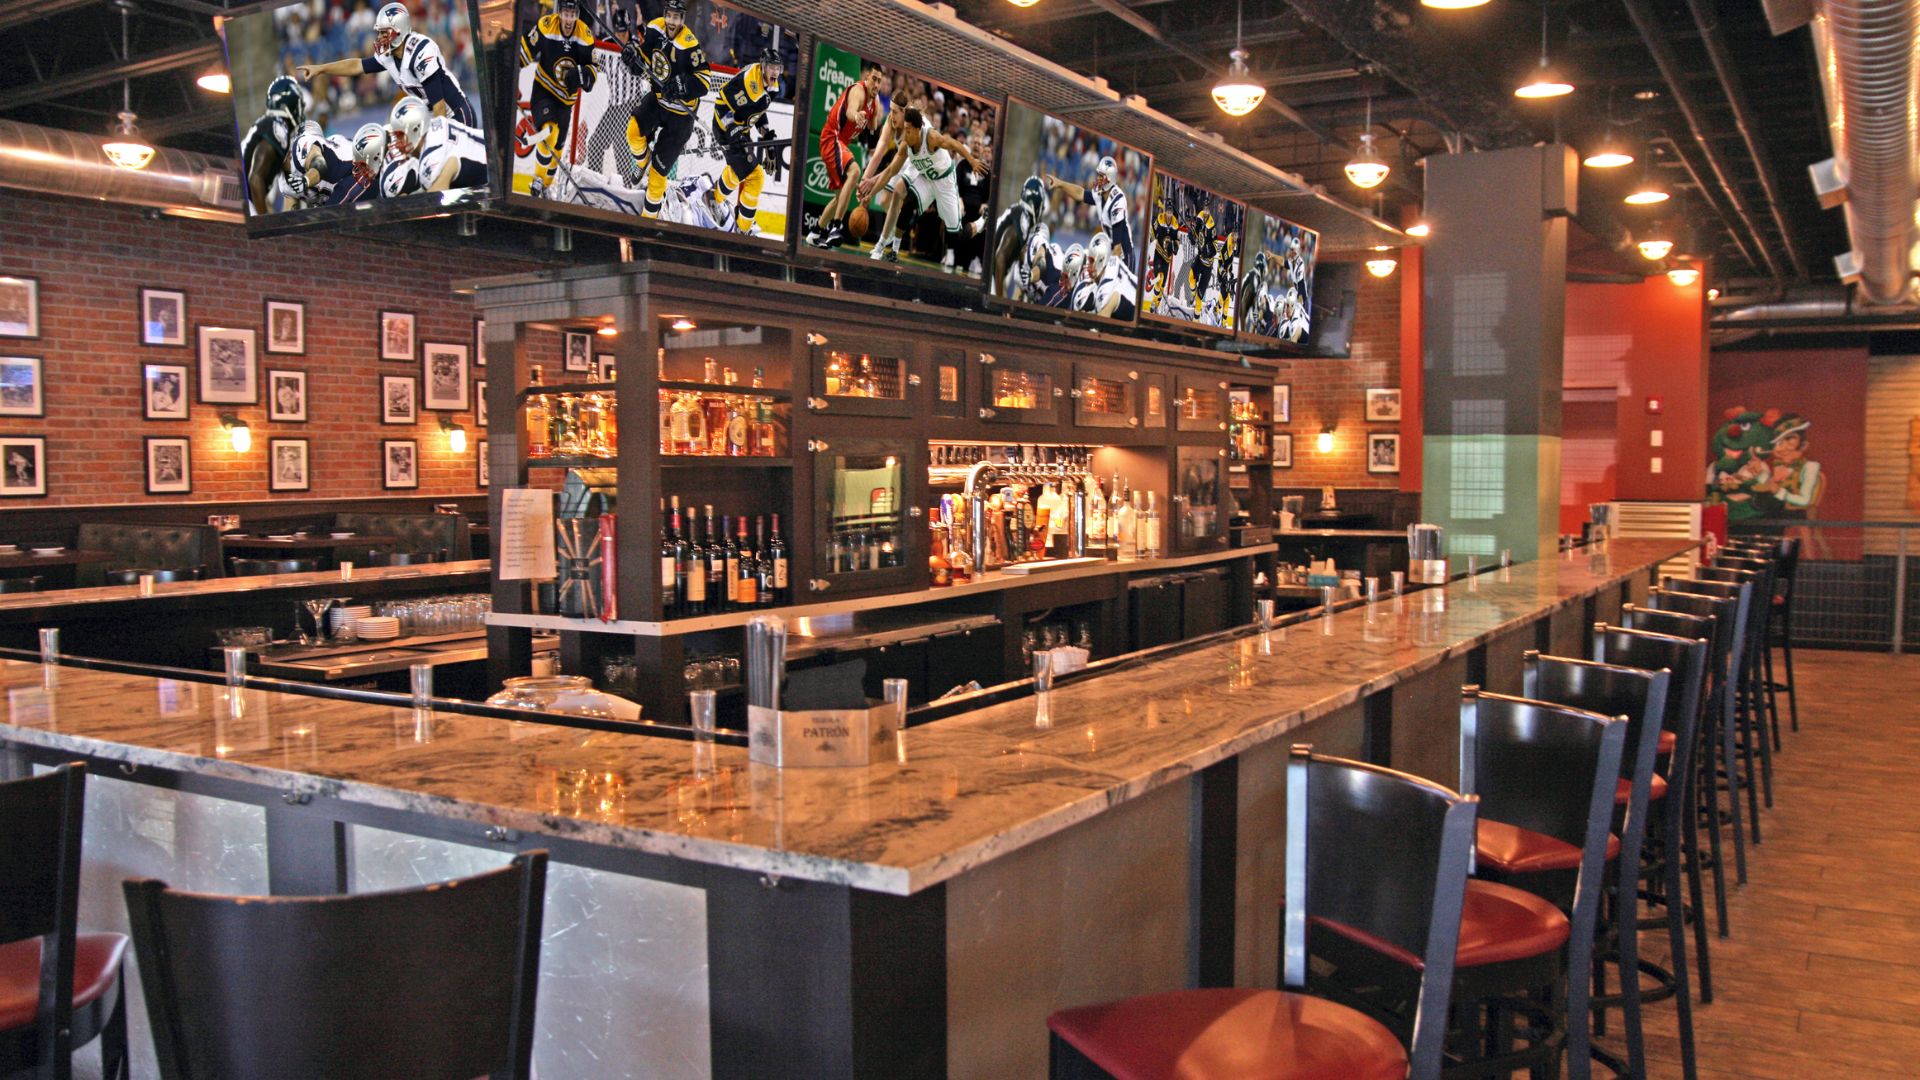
{"points": [[919, 917]]}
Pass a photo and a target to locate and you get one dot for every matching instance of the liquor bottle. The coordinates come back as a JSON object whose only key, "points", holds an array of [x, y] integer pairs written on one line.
{"points": [[685, 580], [666, 422], [777, 551], [763, 438], [737, 427], [959, 559], [669, 584], [1116, 502], [539, 427], [748, 588], [686, 425], [709, 371], [716, 556], [714, 408], [560, 427], [1128, 528], [1151, 534], [759, 376], [610, 422], [591, 438], [765, 594], [732, 561], [867, 386]]}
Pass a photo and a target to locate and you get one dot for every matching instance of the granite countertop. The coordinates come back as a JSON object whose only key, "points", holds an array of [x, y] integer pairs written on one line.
{"points": [[220, 586], [970, 788]]}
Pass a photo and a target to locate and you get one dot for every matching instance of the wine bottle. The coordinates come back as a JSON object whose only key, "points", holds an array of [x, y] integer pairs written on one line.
{"points": [[764, 593], [748, 594], [716, 556], [669, 585], [777, 551], [683, 578], [732, 557]]}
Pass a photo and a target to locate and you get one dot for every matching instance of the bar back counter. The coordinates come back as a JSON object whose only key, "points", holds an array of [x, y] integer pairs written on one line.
{"points": [[919, 917]]}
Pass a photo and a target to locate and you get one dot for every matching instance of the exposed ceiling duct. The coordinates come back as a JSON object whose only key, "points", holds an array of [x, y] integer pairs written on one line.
{"points": [[59, 162], [1812, 309]]}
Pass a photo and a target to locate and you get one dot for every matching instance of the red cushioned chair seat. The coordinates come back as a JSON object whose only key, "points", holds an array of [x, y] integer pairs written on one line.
{"points": [[1497, 923], [1510, 849], [1243, 1034], [1668, 740], [96, 960], [1655, 791]]}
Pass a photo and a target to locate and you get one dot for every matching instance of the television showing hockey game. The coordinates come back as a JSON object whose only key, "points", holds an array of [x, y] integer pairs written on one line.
{"points": [[1071, 215], [1276, 293], [671, 112], [1193, 255], [898, 167], [350, 106]]}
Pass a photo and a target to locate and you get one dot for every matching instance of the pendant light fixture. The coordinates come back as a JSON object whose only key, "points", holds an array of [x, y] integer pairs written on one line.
{"points": [[1238, 93], [1383, 263], [1684, 276], [1452, 5], [1647, 192], [1655, 242], [215, 80], [1546, 80], [126, 148], [1368, 169]]}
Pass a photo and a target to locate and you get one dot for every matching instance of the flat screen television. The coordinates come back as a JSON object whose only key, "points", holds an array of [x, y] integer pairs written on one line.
{"points": [[1193, 255], [898, 168], [355, 109], [683, 127], [1277, 288], [1070, 226], [1336, 299]]}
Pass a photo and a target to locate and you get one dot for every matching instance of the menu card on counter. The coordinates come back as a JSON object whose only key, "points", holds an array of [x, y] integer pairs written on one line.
{"points": [[525, 537]]}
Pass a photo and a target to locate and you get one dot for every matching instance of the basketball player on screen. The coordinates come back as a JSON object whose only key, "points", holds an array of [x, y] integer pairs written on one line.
{"points": [[856, 114]]}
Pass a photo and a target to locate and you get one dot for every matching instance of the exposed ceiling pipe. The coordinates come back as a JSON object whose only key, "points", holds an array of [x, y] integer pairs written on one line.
{"points": [[59, 162], [1727, 218], [1868, 68], [1654, 36]]}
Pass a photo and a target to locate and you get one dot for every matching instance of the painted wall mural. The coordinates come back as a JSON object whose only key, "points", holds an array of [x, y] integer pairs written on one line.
{"points": [[1761, 468]]}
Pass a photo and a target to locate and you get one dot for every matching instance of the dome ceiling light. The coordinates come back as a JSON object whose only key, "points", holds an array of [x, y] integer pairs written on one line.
{"points": [[1238, 92]]}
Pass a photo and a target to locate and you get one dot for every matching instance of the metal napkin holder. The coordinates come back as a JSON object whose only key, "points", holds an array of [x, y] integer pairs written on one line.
{"points": [[810, 738]]}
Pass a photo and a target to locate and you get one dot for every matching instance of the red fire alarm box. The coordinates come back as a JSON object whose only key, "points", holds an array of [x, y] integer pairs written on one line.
{"points": [[1653, 406]]}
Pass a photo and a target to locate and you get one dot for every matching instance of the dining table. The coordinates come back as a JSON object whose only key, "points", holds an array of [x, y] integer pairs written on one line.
{"points": [[296, 545]]}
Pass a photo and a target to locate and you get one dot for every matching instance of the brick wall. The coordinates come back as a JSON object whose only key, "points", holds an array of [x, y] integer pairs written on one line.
{"points": [[1335, 391], [92, 260]]}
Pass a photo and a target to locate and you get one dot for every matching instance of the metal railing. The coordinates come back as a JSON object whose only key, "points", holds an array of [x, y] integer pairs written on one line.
{"points": [[1854, 588]]}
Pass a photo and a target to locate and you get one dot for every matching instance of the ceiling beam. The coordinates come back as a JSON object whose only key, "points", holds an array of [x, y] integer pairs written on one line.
{"points": [[21, 12], [182, 56], [205, 118], [1016, 19]]}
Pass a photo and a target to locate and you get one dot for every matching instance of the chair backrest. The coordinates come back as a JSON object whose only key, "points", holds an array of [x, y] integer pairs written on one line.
{"points": [[1384, 855], [1686, 659], [445, 533], [20, 584], [135, 545], [1527, 760], [256, 567], [132, 576], [435, 981], [1689, 615], [1733, 615], [404, 558], [40, 820]]}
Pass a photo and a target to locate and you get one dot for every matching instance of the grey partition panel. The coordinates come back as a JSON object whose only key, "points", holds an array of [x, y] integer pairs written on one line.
{"points": [[1426, 722]]}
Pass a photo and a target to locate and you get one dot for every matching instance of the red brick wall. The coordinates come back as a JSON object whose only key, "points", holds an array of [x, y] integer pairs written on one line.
{"points": [[92, 259], [1335, 392]]}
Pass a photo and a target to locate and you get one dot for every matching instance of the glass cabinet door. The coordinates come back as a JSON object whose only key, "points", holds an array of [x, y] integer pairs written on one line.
{"points": [[1019, 390], [1198, 494], [868, 505], [860, 379], [949, 382], [1201, 404], [1105, 396]]}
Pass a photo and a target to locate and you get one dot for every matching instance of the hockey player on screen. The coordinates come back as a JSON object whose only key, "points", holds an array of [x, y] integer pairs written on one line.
{"points": [[671, 58], [266, 150], [559, 49], [412, 60], [739, 115], [1106, 198], [923, 162], [856, 114]]}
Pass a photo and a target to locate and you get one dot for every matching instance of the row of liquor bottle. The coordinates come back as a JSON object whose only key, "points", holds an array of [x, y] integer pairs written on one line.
{"points": [[852, 548], [569, 424], [716, 423], [1030, 522], [712, 565]]}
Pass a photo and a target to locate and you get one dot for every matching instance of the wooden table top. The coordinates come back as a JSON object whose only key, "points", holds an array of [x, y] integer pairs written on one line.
{"points": [[67, 557], [307, 543]]}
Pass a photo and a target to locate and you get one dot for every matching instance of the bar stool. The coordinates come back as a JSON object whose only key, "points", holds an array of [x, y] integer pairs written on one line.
{"points": [[1717, 618], [1640, 696], [1368, 850], [1543, 830], [434, 981], [59, 988], [1786, 569], [256, 567], [1773, 568], [1752, 709]]}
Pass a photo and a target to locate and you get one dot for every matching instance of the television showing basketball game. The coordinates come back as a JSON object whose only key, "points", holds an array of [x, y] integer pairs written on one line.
{"points": [[356, 105], [684, 118], [1276, 293], [898, 167], [1072, 204], [1193, 255]]}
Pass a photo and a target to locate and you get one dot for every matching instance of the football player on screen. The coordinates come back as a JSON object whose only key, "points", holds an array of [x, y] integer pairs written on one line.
{"points": [[669, 56], [923, 162], [739, 115], [856, 114], [1010, 231], [559, 48], [1106, 198], [430, 153], [266, 150], [1114, 288], [340, 170], [412, 60]]}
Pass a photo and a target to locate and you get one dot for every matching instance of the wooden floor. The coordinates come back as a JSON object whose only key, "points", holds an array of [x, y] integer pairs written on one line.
{"points": [[1821, 977]]}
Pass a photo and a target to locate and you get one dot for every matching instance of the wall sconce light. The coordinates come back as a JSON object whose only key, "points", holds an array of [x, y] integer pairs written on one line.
{"points": [[607, 329], [239, 435], [456, 435], [1683, 276], [1324, 443]]}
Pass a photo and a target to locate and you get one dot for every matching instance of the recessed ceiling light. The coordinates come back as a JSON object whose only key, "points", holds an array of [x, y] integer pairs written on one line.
{"points": [[1646, 95]]}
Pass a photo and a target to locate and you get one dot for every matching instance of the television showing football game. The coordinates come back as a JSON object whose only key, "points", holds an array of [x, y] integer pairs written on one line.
{"points": [[898, 167], [1276, 293], [684, 118], [357, 104], [1070, 225], [1193, 255]]}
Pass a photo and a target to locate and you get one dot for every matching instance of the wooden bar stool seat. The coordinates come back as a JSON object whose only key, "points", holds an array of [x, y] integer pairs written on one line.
{"points": [[1232, 1033]]}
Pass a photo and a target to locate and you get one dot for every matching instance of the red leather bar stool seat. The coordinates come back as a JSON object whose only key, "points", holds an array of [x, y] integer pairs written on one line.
{"points": [[1656, 790], [1195, 1034], [1668, 740], [1498, 923], [96, 964], [1510, 849]]}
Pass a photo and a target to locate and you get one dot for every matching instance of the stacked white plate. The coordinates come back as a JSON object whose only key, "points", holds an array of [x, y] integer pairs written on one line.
{"points": [[376, 628], [344, 614]]}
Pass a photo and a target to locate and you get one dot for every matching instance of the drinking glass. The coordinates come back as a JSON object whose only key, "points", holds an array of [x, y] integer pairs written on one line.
{"points": [[317, 611], [299, 632]]}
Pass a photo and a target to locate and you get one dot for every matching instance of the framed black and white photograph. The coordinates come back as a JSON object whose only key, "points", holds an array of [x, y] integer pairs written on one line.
{"points": [[1383, 404], [396, 335], [163, 392], [1283, 451], [23, 465], [1283, 403], [286, 327], [479, 343], [19, 306], [288, 467], [1383, 452], [481, 474], [229, 372], [397, 393], [287, 396], [480, 403], [169, 465], [443, 371], [579, 351], [22, 390], [603, 367], [163, 317], [399, 464]]}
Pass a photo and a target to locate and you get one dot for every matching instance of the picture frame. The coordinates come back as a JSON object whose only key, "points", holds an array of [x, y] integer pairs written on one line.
{"points": [[603, 367], [23, 466], [482, 475], [396, 335], [443, 377], [480, 403], [229, 366], [1283, 403], [1283, 451], [19, 306], [399, 464], [289, 465], [479, 343], [163, 318], [577, 351], [286, 323], [286, 396], [23, 387], [1383, 404], [399, 400], [1383, 452], [169, 465], [163, 392]]}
